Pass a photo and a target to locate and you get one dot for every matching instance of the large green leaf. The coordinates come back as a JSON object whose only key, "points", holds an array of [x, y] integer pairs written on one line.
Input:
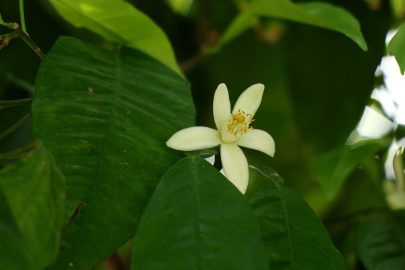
{"points": [[396, 47], [14, 249], [35, 192], [197, 219], [294, 236], [380, 241], [106, 117], [334, 167], [119, 21], [314, 13]]}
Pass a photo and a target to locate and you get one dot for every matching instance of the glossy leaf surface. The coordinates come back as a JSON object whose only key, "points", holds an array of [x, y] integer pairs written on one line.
{"points": [[380, 241], [314, 13], [34, 189], [197, 219], [294, 236], [106, 117], [332, 168], [119, 21], [396, 47]]}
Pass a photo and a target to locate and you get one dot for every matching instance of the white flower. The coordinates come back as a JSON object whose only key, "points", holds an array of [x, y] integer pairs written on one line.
{"points": [[233, 131]]}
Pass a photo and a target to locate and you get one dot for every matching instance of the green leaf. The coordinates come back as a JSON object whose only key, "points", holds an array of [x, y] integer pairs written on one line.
{"points": [[267, 173], [396, 47], [205, 153], [334, 167], [180, 6], [242, 21], [35, 190], [380, 241], [294, 236], [314, 13], [197, 219], [121, 22], [106, 117], [14, 249]]}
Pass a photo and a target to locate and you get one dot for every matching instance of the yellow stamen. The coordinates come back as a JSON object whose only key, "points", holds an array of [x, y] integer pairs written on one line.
{"points": [[240, 118], [251, 128], [252, 120]]}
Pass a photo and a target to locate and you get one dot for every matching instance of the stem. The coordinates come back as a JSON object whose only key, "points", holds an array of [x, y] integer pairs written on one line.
{"points": [[4, 23], [22, 16], [9, 36], [12, 103], [21, 84], [399, 169], [28, 40], [15, 126]]}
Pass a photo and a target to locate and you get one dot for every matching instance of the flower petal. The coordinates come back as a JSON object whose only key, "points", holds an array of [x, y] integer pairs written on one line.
{"points": [[194, 138], [249, 101], [222, 105], [211, 159], [235, 165], [259, 140]]}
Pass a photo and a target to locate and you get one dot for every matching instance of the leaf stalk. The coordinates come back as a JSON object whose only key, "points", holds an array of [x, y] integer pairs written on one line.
{"points": [[22, 16]]}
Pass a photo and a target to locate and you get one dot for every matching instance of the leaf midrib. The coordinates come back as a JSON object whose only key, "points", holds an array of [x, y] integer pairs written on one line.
{"points": [[118, 73], [196, 217], [288, 225]]}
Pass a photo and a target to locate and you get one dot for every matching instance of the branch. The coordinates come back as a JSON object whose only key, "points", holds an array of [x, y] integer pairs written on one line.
{"points": [[28, 40], [12, 103], [15, 126], [7, 38]]}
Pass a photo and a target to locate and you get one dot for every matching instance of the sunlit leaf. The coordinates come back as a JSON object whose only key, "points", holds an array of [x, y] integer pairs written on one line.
{"points": [[180, 6], [119, 21], [34, 189], [197, 219], [396, 47], [314, 13], [332, 168], [380, 241], [294, 236], [106, 117]]}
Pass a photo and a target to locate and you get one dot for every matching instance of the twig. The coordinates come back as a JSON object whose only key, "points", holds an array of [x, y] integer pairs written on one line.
{"points": [[15, 126], [22, 16], [6, 39], [12, 103], [9, 25], [30, 88], [190, 64], [28, 40]]}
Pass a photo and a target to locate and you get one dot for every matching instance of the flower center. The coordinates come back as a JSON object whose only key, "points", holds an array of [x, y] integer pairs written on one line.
{"points": [[238, 123]]}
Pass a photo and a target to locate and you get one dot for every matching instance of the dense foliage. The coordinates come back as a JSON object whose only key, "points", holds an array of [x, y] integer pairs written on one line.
{"points": [[97, 95]]}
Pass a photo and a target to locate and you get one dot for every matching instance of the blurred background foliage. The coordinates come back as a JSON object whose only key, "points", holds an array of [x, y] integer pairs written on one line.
{"points": [[318, 83]]}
